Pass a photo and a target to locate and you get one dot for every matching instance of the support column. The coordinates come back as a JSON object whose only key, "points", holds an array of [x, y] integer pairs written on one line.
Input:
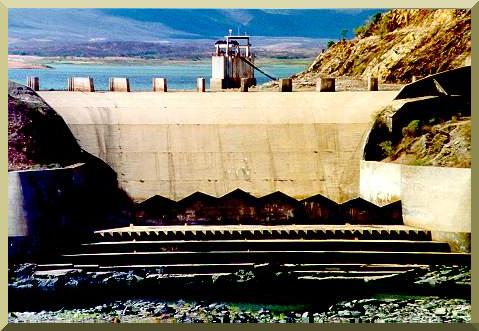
{"points": [[119, 84], [326, 84], [200, 84], [81, 84], [372, 84], [160, 85], [286, 85], [33, 83]]}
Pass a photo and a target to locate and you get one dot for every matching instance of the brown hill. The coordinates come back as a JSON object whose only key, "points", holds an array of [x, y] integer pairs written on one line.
{"points": [[396, 45], [37, 136]]}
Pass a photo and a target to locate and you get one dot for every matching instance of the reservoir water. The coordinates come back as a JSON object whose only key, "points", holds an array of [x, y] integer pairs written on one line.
{"points": [[180, 76]]}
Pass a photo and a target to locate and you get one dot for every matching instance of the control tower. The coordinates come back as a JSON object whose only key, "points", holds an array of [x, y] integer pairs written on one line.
{"points": [[231, 61]]}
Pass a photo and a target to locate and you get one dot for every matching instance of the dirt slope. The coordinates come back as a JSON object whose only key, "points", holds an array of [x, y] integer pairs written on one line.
{"points": [[396, 45]]}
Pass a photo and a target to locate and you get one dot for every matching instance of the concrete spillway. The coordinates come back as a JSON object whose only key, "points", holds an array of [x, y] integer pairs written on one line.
{"points": [[175, 144]]}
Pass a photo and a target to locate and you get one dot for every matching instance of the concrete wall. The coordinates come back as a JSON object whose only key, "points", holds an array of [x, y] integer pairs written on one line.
{"points": [[380, 182], [433, 198], [53, 208], [175, 144], [436, 198]]}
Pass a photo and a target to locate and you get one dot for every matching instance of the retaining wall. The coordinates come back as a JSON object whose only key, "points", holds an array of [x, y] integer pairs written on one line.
{"points": [[433, 198], [55, 208]]}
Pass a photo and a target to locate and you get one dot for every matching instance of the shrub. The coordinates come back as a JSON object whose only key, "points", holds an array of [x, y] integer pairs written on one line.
{"points": [[421, 162], [363, 29], [412, 128], [387, 148], [330, 43]]}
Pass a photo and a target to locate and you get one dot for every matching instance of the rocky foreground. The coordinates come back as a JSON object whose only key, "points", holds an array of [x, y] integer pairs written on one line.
{"points": [[386, 305], [368, 310]]}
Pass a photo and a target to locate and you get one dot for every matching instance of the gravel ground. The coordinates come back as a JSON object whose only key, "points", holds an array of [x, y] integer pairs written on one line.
{"points": [[369, 310], [375, 308]]}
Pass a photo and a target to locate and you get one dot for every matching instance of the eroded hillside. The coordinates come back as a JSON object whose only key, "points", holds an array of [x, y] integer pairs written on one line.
{"points": [[396, 45]]}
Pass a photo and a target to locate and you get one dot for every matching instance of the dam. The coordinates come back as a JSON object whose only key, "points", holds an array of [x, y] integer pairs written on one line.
{"points": [[177, 143]]}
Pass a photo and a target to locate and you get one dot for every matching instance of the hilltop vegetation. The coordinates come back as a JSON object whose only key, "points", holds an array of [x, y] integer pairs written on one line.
{"points": [[396, 45]]}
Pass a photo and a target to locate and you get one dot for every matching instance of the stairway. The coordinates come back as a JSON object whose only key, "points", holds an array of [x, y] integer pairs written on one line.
{"points": [[321, 251]]}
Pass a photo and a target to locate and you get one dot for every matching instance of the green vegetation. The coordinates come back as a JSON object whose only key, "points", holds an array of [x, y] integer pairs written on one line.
{"points": [[330, 43], [412, 129], [365, 29], [387, 148], [421, 162]]}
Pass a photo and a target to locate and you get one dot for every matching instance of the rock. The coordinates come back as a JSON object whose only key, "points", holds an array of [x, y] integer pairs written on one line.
{"points": [[344, 313], [226, 317], [47, 284], [440, 311], [355, 313]]}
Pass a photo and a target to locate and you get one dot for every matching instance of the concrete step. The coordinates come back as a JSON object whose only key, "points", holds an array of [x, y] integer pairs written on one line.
{"points": [[278, 257], [232, 232], [233, 267], [270, 245]]}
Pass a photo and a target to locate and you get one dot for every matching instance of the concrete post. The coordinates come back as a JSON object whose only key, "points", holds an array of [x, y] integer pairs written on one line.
{"points": [[372, 84], [326, 84], [33, 83], [415, 78], [119, 84], [81, 84], [244, 84], [200, 84], [286, 85], [160, 85]]}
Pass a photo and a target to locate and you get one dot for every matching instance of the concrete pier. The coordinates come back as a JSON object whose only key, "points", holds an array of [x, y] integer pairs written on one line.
{"points": [[119, 84], [81, 84], [286, 85], [325, 84], [33, 83], [160, 85], [372, 84], [200, 84]]}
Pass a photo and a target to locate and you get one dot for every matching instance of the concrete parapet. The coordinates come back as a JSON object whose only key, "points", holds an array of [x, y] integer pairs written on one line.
{"points": [[244, 85], [415, 78], [33, 83], [81, 84], [326, 84], [285, 85], [217, 84], [200, 84], [119, 84], [372, 84], [160, 85], [450, 82]]}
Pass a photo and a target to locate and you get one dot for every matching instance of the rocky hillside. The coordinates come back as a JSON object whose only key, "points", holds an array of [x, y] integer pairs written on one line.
{"points": [[396, 45], [37, 136], [446, 144]]}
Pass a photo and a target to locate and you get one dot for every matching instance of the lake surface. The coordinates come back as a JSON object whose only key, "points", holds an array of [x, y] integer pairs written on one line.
{"points": [[179, 76]]}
